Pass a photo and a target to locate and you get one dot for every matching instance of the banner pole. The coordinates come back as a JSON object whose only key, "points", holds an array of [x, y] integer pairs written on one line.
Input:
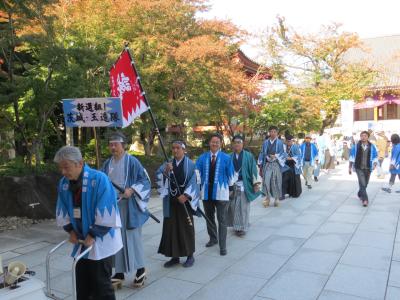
{"points": [[96, 143], [157, 131]]}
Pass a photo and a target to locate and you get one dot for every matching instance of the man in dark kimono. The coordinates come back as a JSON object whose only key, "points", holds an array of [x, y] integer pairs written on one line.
{"points": [[291, 182], [177, 238]]}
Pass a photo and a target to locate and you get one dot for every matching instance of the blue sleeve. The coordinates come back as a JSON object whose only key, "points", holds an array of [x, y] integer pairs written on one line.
{"points": [[261, 157], [62, 214], [99, 231], [352, 157], [106, 208], [230, 170], [68, 228], [161, 181], [315, 150], [199, 164], [104, 166], [141, 182]]}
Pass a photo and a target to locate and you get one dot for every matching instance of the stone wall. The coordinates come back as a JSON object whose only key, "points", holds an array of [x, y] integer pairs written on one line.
{"points": [[17, 194]]}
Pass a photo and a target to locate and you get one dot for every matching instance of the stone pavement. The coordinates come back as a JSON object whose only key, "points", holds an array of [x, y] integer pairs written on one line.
{"points": [[323, 245]]}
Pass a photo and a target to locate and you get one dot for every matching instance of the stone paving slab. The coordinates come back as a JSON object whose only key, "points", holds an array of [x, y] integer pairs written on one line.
{"points": [[361, 256], [329, 295], [373, 239], [280, 245], [259, 265], [362, 282], [303, 285], [393, 293], [320, 262], [230, 286], [323, 245]]}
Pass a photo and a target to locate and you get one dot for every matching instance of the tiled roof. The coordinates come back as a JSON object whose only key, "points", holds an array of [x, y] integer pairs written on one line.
{"points": [[382, 54], [252, 67]]}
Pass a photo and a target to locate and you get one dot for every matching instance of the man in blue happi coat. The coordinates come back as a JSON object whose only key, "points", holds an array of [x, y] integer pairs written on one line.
{"points": [[271, 161], [126, 172], [309, 159], [394, 167], [87, 209], [177, 238], [364, 159], [217, 176]]}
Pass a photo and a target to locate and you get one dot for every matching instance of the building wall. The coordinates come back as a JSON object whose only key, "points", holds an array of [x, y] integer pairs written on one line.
{"points": [[389, 126], [385, 112]]}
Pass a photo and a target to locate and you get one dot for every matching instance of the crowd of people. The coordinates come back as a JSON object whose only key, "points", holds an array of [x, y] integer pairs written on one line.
{"points": [[106, 209]]}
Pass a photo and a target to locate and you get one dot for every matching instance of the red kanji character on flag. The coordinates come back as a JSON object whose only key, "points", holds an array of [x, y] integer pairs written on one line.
{"points": [[124, 83]]}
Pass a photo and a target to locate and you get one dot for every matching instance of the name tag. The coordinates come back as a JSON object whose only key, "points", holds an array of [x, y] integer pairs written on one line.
{"points": [[77, 213]]}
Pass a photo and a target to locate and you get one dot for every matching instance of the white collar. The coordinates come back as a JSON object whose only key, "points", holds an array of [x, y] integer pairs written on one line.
{"points": [[237, 155], [178, 162], [216, 154], [272, 141], [118, 160]]}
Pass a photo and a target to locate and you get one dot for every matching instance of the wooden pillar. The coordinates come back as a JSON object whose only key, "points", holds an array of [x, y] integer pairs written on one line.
{"points": [[69, 131]]}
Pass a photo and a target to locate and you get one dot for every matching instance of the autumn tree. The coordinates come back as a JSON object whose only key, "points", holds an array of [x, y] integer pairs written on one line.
{"points": [[314, 69], [56, 49]]}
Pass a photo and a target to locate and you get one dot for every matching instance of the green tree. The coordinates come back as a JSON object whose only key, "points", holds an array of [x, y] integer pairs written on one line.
{"points": [[314, 68], [287, 111]]}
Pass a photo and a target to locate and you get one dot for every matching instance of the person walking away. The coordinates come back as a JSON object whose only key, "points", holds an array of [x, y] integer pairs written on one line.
{"points": [[394, 167], [382, 146]]}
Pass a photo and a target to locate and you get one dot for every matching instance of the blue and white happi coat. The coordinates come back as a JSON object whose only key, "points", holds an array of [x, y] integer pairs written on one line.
{"points": [[314, 153], [136, 178], [190, 188], [296, 154], [225, 175], [374, 155], [395, 159], [99, 207], [280, 153]]}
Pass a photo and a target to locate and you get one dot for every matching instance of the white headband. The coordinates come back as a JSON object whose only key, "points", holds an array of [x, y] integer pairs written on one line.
{"points": [[116, 139], [180, 143]]}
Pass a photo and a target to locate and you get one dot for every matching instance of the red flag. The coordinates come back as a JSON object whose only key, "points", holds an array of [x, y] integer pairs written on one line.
{"points": [[124, 83]]}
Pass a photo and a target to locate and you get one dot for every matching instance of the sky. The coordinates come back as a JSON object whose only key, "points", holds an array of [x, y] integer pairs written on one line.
{"points": [[366, 17]]}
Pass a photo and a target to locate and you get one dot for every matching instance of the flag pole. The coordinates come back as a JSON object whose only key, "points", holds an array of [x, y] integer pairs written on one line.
{"points": [[96, 143], [156, 129]]}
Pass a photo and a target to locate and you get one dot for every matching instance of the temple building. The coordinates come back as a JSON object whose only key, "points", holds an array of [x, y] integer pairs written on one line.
{"points": [[381, 109]]}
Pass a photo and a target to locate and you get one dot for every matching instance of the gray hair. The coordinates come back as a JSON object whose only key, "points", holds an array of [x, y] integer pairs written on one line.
{"points": [[68, 153]]}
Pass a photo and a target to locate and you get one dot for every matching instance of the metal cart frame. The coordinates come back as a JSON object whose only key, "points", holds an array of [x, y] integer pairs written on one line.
{"points": [[48, 292]]}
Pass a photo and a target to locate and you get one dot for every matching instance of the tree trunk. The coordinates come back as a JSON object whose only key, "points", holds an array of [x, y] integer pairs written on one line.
{"points": [[328, 121], [146, 145], [37, 147]]}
